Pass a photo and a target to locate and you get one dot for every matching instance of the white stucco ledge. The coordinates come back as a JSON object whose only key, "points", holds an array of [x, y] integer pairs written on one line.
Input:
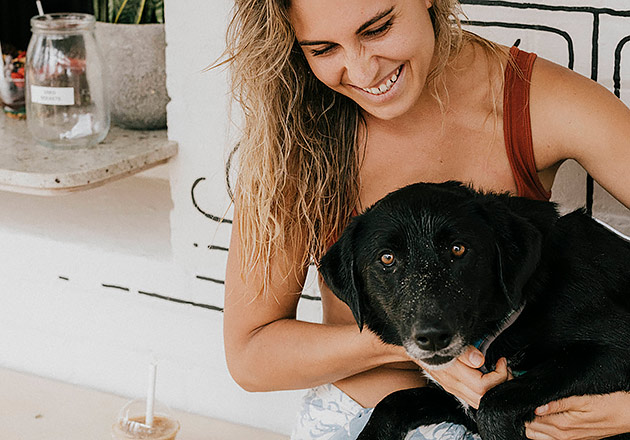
{"points": [[30, 168]]}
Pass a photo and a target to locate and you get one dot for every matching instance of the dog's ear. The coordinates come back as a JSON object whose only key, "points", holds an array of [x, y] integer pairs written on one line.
{"points": [[543, 215], [338, 268], [519, 226]]}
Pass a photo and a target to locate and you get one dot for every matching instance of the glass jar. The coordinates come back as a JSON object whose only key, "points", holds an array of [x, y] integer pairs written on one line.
{"points": [[66, 103]]}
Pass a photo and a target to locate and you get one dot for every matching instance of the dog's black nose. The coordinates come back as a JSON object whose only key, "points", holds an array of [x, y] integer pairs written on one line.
{"points": [[433, 338]]}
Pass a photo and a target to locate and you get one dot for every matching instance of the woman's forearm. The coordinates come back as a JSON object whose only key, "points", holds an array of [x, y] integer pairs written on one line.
{"points": [[291, 354]]}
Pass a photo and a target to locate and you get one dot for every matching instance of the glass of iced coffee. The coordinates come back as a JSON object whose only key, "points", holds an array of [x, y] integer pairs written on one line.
{"points": [[131, 423]]}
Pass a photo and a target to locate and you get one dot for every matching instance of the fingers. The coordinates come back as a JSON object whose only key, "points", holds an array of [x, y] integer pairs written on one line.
{"points": [[472, 358], [575, 418], [500, 374], [502, 371], [575, 403], [534, 432], [537, 435], [560, 426], [463, 380], [555, 426]]}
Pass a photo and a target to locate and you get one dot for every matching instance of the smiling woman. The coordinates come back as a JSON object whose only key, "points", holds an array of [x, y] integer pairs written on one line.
{"points": [[343, 103], [369, 55]]}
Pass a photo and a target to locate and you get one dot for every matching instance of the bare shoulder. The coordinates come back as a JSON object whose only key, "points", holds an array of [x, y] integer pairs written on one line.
{"points": [[574, 117], [571, 113]]}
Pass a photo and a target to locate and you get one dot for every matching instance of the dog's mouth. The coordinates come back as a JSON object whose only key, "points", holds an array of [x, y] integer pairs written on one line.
{"points": [[435, 359]]}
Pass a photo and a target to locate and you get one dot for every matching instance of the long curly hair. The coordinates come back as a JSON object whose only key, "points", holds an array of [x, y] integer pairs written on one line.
{"points": [[298, 158]]}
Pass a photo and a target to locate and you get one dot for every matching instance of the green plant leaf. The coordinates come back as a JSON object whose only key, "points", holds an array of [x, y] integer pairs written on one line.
{"points": [[140, 12], [158, 10], [153, 12], [129, 11], [100, 10], [111, 9]]}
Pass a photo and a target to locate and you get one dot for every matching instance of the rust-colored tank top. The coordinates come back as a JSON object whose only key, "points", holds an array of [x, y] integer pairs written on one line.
{"points": [[517, 126]]}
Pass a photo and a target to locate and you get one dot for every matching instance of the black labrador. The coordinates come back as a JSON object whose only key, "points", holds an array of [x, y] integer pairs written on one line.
{"points": [[436, 268]]}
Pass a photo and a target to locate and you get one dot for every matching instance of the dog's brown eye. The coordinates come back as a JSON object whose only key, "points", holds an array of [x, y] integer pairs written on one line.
{"points": [[387, 259], [458, 250]]}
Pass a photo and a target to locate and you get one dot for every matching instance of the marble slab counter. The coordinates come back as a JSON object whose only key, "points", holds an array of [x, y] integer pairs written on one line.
{"points": [[31, 168]]}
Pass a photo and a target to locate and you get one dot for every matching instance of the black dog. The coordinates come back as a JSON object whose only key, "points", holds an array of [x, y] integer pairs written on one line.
{"points": [[439, 267]]}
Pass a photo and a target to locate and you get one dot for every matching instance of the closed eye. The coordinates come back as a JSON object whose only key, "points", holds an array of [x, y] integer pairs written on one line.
{"points": [[380, 30], [323, 51]]}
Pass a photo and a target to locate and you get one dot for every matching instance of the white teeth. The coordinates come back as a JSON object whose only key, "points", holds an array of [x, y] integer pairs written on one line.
{"points": [[383, 88]]}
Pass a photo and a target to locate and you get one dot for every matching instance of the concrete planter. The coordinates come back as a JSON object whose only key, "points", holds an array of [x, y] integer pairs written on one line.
{"points": [[134, 54]]}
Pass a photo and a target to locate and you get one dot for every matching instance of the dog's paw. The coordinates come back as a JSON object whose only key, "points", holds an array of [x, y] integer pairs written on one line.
{"points": [[501, 418]]}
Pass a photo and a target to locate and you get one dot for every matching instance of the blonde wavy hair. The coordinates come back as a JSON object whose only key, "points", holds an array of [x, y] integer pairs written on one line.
{"points": [[298, 158]]}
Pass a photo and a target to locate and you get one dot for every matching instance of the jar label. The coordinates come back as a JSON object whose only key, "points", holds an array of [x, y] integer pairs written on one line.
{"points": [[52, 95]]}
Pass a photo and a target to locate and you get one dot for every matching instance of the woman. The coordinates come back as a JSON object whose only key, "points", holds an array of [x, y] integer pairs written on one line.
{"points": [[346, 101]]}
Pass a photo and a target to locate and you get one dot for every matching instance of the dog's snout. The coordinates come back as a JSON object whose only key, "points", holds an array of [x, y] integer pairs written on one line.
{"points": [[434, 337]]}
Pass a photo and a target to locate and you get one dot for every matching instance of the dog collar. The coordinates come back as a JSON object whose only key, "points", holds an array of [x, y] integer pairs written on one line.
{"points": [[483, 344]]}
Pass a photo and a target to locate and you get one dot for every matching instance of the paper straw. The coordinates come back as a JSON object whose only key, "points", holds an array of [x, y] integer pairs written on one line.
{"points": [[148, 419], [40, 10], [1, 61]]}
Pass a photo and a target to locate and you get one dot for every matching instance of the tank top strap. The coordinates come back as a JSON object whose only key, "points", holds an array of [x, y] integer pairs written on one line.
{"points": [[517, 125]]}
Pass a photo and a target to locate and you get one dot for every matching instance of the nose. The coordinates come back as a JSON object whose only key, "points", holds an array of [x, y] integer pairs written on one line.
{"points": [[361, 68], [433, 337]]}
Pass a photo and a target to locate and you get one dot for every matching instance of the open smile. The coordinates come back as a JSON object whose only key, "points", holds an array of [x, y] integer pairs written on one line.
{"points": [[385, 86]]}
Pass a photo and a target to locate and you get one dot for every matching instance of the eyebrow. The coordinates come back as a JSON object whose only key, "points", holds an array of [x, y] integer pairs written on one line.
{"points": [[361, 28]]}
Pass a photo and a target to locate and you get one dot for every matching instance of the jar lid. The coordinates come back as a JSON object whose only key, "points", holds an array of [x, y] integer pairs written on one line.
{"points": [[62, 22]]}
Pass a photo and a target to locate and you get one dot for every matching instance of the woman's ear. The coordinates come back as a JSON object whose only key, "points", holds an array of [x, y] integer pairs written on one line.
{"points": [[428, 3]]}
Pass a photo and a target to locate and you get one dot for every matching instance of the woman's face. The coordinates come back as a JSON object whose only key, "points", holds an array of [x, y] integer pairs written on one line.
{"points": [[376, 52]]}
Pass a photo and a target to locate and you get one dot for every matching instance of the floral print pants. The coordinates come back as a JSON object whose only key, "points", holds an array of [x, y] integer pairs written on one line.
{"points": [[327, 413]]}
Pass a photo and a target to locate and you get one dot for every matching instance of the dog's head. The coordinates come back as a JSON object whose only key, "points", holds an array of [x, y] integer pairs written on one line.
{"points": [[435, 267]]}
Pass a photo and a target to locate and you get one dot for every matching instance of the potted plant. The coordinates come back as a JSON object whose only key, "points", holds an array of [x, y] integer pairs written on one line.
{"points": [[131, 36]]}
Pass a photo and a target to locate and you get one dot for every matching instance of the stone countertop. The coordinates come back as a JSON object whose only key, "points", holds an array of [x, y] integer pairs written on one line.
{"points": [[31, 168], [34, 408]]}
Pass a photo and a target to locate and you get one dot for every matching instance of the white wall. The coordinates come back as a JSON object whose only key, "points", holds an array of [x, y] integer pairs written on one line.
{"points": [[74, 268]]}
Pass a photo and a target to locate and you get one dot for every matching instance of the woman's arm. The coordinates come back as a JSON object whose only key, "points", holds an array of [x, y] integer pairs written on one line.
{"points": [[267, 349], [576, 118]]}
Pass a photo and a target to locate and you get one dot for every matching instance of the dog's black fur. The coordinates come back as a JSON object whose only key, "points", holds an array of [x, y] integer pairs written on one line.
{"points": [[401, 269]]}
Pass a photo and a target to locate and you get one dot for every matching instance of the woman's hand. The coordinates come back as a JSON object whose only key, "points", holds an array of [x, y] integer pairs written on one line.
{"points": [[463, 380], [581, 418]]}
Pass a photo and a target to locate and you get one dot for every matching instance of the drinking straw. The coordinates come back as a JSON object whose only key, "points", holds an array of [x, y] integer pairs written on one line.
{"points": [[148, 419], [40, 10]]}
